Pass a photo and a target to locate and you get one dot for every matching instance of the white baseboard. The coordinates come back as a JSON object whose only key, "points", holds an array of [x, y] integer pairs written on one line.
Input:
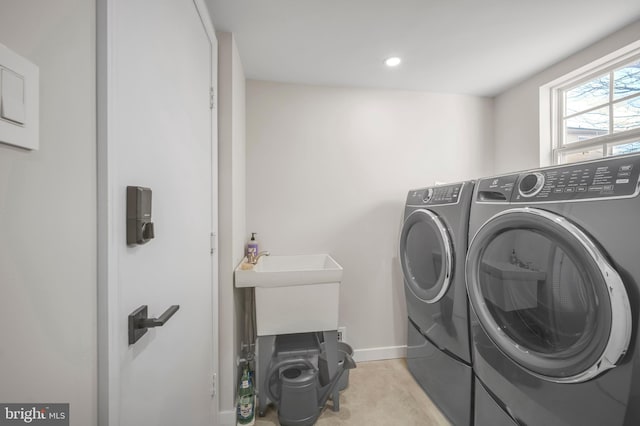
{"points": [[227, 418], [378, 354]]}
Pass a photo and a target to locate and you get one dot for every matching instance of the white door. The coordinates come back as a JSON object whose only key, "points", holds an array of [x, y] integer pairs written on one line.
{"points": [[159, 131]]}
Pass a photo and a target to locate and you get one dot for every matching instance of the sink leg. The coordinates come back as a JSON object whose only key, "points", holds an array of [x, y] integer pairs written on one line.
{"points": [[264, 350], [331, 346], [336, 399]]}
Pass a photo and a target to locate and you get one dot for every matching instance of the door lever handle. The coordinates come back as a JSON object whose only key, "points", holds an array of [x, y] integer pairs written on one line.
{"points": [[139, 323], [159, 322]]}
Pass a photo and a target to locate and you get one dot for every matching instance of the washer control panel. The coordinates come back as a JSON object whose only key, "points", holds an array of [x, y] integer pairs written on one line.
{"points": [[606, 178], [436, 195]]}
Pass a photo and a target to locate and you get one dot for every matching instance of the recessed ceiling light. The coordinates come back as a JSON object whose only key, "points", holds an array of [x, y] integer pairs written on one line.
{"points": [[393, 61]]}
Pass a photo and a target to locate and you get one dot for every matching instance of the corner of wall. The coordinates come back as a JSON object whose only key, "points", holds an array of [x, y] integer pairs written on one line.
{"points": [[232, 205]]}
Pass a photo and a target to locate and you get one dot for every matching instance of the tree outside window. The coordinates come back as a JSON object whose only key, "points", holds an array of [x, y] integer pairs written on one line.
{"points": [[600, 114]]}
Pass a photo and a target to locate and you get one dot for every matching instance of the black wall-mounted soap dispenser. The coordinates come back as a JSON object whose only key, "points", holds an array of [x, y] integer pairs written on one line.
{"points": [[139, 225]]}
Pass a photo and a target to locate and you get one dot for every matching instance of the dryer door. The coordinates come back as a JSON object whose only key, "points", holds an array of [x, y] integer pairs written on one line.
{"points": [[547, 296], [426, 255]]}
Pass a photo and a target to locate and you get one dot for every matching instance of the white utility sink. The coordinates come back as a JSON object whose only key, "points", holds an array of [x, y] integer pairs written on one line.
{"points": [[294, 294], [279, 271]]}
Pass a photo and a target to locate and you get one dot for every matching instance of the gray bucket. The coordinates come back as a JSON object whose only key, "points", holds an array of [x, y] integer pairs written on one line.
{"points": [[344, 349]]}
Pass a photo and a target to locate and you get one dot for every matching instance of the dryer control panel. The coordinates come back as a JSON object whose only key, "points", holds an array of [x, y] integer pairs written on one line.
{"points": [[606, 178], [436, 195]]}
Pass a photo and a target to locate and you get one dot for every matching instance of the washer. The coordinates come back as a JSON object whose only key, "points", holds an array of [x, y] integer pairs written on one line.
{"points": [[553, 277], [433, 242]]}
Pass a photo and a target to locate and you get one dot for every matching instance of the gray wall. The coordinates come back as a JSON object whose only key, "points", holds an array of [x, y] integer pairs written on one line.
{"points": [[517, 110], [48, 215], [328, 170]]}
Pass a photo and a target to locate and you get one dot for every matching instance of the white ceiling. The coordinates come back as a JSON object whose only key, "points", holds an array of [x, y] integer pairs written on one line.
{"points": [[477, 47]]}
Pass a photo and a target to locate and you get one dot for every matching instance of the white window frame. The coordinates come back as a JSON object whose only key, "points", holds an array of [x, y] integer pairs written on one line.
{"points": [[552, 105]]}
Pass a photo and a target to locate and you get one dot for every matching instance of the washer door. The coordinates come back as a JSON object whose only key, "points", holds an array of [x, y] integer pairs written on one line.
{"points": [[546, 295], [426, 255]]}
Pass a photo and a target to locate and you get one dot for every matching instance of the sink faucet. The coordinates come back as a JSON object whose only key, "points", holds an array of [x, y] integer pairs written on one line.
{"points": [[253, 259]]}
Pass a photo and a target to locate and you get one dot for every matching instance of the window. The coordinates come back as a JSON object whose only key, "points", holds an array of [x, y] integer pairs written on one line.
{"points": [[596, 113]]}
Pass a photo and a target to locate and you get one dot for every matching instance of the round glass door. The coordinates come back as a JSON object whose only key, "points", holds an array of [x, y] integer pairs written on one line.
{"points": [[546, 295], [426, 255]]}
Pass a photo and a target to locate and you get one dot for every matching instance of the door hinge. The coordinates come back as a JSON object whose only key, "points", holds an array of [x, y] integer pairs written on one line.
{"points": [[212, 237], [211, 97]]}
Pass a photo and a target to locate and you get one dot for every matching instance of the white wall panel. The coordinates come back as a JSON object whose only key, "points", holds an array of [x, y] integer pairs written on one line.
{"points": [[48, 215]]}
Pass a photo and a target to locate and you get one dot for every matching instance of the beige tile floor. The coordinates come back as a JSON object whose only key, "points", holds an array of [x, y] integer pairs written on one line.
{"points": [[380, 393]]}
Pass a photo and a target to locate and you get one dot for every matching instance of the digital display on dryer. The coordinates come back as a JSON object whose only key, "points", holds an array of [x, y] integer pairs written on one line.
{"points": [[437, 195]]}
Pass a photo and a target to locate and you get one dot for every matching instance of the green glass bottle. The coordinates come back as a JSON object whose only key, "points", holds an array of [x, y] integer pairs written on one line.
{"points": [[245, 398]]}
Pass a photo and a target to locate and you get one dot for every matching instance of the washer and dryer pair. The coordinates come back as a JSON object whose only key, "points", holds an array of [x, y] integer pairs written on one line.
{"points": [[552, 270]]}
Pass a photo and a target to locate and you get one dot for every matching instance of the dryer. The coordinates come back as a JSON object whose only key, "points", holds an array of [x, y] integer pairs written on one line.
{"points": [[553, 277], [433, 242]]}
